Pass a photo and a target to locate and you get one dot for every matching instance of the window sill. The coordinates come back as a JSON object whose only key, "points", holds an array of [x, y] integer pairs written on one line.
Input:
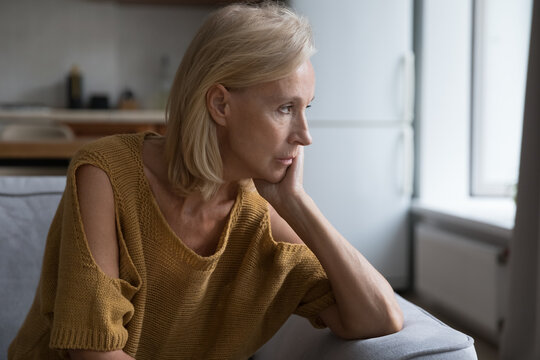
{"points": [[492, 219]]}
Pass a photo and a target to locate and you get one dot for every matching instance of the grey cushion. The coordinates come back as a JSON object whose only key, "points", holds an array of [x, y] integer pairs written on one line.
{"points": [[27, 206], [422, 337]]}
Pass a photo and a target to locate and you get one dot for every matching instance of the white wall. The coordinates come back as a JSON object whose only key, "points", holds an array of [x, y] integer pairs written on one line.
{"points": [[116, 46]]}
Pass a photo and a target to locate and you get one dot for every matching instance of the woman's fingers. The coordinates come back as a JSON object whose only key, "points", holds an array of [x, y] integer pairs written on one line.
{"points": [[288, 188]]}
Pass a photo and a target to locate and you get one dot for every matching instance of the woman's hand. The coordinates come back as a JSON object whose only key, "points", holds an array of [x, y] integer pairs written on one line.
{"points": [[290, 188]]}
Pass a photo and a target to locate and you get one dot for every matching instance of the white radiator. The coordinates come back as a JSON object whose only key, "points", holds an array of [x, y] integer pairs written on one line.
{"points": [[461, 274]]}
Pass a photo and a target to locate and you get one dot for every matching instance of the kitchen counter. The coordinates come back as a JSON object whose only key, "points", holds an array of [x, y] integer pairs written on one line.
{"points": [[90, 123], [86, 125], [83, 116]]}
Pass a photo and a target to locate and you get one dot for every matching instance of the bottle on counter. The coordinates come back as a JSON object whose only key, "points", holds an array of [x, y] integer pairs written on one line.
{"points": [[74, 88]]}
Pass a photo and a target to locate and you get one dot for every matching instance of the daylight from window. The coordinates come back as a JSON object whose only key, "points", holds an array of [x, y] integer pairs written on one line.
{"points": [[501, 45]]}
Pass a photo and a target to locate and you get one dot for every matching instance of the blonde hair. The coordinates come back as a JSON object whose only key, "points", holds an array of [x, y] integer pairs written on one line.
{"points": [[237, 46]]}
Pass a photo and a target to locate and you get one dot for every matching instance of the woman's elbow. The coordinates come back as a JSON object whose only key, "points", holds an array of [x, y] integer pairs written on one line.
{"points": [[387, 323], [395, 320]]}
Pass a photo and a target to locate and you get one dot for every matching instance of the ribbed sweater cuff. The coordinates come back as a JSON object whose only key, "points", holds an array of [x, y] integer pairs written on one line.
{"points": [[65, 338], [311, 311]]}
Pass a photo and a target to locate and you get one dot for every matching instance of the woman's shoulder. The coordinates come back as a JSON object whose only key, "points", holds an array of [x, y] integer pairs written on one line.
{"points": [[110, 151], [113, 144], [118, 156]]}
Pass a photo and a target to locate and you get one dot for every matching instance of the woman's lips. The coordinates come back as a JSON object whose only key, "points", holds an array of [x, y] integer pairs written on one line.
{"points": [[286, 161]]}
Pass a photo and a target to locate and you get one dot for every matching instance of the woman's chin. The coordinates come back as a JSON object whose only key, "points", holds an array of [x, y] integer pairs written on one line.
{"points": [[273, 178]]}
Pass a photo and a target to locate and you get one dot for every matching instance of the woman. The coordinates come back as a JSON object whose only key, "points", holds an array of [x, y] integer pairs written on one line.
{"points": [[162, 248]]}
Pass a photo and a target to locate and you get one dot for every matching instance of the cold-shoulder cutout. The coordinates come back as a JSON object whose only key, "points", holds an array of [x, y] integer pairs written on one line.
{"points": [[96, 203]]}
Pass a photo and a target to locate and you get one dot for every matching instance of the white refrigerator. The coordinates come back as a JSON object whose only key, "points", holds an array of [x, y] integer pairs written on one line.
{"points": [[359, 168]]}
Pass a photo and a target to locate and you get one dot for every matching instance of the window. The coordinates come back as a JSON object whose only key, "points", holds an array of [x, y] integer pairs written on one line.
{"points": [[500, 53]]}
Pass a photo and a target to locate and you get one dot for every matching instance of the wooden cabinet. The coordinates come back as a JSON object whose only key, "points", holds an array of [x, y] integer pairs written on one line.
{"points": [[18, 152]]}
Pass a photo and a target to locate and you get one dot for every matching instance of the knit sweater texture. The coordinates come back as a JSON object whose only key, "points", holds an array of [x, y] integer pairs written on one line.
{"points": [[169, 302]]}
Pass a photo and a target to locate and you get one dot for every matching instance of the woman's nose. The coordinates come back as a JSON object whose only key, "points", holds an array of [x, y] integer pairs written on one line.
{"points": [[300, 133]]}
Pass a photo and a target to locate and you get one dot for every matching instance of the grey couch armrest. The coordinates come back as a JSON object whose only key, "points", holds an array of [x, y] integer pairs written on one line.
{"points": [[422, 337]]}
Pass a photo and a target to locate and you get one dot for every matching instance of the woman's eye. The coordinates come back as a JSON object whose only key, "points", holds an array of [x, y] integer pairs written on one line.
{"points": [[286, 109]]}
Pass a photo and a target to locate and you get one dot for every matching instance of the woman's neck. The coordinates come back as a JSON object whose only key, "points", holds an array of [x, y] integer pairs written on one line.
{"points": [[157, 173]]}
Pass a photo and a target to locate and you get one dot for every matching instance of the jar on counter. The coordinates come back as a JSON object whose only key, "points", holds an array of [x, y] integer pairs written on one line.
{"points": [[74, 88]]}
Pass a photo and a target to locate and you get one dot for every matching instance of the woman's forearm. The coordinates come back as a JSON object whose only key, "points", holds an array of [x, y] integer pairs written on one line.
{"points": [[365, 300]]}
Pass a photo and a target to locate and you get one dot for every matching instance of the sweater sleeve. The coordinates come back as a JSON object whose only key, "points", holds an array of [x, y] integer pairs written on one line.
{"points": [[87, 308], [318, 294]]}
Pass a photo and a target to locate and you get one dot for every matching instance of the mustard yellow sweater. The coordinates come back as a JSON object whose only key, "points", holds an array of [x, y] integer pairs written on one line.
{"points": [[169, 302]]}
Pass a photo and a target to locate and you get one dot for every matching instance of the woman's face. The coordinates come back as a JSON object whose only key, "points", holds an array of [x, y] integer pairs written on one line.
{"points": [[266, 125]]}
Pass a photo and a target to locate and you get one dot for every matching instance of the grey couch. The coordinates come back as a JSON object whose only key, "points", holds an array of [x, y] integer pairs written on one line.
{"points": [[27, 205]]}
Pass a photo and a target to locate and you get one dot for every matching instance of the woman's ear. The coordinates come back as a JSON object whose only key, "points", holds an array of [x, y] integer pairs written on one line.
{"points": [[217, 102]]}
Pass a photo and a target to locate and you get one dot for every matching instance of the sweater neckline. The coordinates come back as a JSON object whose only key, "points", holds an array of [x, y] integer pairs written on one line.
{"points": [[189, 255]]}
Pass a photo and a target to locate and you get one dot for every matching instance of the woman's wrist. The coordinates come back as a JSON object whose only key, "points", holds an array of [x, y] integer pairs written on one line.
{"points": [[290, 205], [304, 217]]}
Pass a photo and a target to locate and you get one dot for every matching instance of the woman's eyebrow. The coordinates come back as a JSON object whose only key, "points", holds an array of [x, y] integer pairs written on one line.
{"points": [[281, 98]]}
